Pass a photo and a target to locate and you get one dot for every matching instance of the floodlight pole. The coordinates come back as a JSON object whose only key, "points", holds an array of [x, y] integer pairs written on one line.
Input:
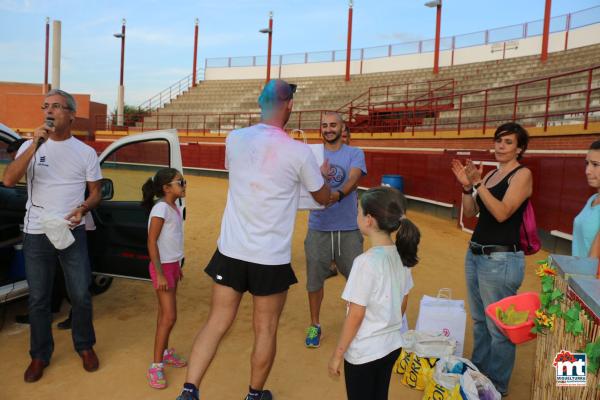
{"points": [[195, 54], [270, 32], [349, 44], [121, 98], [546, 32], [45, 88], [438, 23]]}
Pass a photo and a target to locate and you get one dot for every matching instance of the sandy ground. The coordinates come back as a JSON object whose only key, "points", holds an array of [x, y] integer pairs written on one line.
{"points": [[125, 323]]}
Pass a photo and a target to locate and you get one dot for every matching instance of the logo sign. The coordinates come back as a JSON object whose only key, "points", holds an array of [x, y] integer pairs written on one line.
{"points": [[336, 176], [570, 368]]}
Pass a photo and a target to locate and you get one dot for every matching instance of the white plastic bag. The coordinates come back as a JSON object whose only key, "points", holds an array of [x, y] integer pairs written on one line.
{"points": [[57, 230], [446, 379], [477, 386], [449, 370], [445, 316], [427, 344], [425, 350]]}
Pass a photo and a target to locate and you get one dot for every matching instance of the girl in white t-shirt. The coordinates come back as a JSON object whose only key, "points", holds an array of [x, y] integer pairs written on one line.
{"points": [[376, 293], [165, 247]]}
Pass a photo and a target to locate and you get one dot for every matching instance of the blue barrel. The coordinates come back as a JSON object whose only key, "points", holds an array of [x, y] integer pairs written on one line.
{"points": [[395, 181]]}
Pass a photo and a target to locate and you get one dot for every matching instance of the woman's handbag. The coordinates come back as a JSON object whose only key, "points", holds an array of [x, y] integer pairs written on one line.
{"points": [[528, 236]]}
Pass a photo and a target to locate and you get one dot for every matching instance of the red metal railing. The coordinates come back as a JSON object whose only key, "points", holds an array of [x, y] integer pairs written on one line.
{"points": [[566, 98], [401, 93], [392, 105]]}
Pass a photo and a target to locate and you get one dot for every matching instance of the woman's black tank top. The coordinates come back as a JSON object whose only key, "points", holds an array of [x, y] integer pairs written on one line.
{"points": [[488, 230]]}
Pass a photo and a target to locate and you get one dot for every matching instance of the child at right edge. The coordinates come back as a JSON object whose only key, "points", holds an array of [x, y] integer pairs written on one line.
{"points": [[376, 293]]}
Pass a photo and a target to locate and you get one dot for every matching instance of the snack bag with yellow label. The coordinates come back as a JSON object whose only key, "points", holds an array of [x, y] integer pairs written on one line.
{"points": [[435, 391], [402, 362], [418, 371]]}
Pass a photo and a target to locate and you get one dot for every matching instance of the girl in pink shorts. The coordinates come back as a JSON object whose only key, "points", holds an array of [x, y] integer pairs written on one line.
{"points": [[165, 247]]}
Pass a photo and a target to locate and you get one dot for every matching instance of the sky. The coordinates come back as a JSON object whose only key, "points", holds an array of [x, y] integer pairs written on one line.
{"points": [[160, 34]]}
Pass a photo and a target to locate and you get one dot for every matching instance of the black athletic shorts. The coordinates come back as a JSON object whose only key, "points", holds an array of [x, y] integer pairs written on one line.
{"points": [[242, 276]]}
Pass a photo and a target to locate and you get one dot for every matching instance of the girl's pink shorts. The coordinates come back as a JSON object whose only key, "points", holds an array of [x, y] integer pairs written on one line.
{"points": [[172, 272]]}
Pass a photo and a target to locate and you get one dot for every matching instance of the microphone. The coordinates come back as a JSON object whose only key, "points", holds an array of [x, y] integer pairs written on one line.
{"points": [[50, 124]]}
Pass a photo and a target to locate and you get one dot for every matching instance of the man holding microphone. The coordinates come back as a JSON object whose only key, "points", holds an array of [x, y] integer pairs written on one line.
{"points": [[59, 169]]}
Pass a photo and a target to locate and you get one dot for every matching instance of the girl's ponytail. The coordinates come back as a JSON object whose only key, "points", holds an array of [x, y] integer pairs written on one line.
{"points": [[388, 206], [407, 242], [148, 195]]}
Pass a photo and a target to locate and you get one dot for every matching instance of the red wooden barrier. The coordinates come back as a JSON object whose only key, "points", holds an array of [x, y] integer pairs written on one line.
{"points": [[559, 185]]}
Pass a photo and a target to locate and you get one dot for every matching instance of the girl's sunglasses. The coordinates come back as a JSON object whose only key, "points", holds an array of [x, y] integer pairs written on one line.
{"points": [[180, 182]]}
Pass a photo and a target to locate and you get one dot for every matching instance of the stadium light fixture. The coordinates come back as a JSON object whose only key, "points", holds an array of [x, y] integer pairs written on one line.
{"points": [[434, 3]]}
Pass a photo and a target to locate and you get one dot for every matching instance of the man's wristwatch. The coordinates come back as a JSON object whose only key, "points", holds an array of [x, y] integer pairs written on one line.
{"points": [[476, 185], [342, 195], [467, 191]]}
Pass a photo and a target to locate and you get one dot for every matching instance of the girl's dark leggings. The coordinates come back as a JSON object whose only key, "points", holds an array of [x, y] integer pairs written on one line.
{"points": [[371, 380]]}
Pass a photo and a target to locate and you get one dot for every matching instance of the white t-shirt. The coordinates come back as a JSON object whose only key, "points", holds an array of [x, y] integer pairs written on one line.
{"points": [[170, 240], [266, 168], [378, 281], [57, 177]]}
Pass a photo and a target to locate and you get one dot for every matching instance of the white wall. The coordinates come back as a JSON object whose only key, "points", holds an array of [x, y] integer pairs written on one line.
{"points": [[526, 47]]}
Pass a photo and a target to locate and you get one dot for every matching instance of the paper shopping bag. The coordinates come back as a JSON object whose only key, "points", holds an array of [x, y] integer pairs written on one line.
{"points": [[444, 315]]}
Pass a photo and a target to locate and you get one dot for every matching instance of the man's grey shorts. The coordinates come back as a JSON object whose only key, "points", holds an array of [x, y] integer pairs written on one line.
{"points": [[321, 248]]}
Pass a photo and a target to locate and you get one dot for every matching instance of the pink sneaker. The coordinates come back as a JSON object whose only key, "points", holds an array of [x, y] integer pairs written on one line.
{"points": [[173, 359], [156, 376]]}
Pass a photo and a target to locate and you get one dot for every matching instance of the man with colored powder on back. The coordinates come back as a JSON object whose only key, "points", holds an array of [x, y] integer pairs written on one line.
{"points": [[333, 233], [266, 168]]}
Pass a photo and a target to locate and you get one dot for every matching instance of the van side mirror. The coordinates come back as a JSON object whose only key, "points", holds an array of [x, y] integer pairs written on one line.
{"points": [[106, 189]]}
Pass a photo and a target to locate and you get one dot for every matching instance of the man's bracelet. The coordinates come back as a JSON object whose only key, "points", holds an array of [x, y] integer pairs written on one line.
{"points": [[342, 195], [85, 207]]}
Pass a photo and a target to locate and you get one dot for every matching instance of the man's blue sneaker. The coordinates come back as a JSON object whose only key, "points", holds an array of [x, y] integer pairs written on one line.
{"points": [[313, 336]]}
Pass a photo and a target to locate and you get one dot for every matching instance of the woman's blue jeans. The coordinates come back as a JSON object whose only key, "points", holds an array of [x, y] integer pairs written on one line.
{"points": [[491, 278]]}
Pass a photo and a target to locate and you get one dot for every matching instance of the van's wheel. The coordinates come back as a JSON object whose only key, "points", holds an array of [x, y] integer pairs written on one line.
{"points": [[100, 284]]}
